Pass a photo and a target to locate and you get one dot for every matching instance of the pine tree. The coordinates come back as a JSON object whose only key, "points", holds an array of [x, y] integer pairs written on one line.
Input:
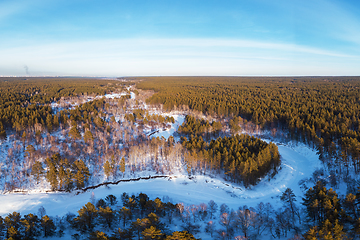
{"points": [[97, 235], [37, 171], [107, 169], [49, 122], [125, 215], [184, 235], [74, 133], [81, 173], [62, 177], [13, 233], [56, 121], [31, 223], [2, 227], [52, 177], [86, 218], [111, 199], [88, 137], [107, 216], [12, 222], [152, 233], [30, 151], [2, 131], [122, 166], [68, 185], [288, 198]]}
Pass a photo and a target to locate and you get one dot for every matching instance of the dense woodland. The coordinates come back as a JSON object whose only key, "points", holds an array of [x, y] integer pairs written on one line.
{"points": [[60, 137], [22, 100], [324, 111], [242, 158]]}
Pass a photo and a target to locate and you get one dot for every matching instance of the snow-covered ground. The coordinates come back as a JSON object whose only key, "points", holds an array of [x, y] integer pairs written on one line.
{"points": [[298, 162], [166, 133], [69, 104]]}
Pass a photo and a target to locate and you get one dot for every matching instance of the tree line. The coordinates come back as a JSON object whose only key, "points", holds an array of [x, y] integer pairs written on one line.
{"points": [[324, 215], [23, 100]]}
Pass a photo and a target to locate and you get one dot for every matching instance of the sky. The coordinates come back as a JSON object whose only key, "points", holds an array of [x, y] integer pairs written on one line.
{"points": [[114, 38]]}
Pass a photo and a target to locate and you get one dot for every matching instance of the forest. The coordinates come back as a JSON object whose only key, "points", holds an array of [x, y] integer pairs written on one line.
{"points": [[323, 111], [68, 135]]}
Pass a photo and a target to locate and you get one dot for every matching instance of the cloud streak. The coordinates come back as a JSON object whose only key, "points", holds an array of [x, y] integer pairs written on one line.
{"points": [[188, 56]]}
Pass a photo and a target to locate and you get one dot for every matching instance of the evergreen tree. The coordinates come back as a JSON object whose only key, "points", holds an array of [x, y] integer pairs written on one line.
{"points": [[62, 177], [107, 216], [88, 137], [82, 173], [74, 133], [56, 121], [2, 131], [288, 198], [31, 223], [68, 184], [107, 169], [122, 166], [111, 199], [37, 171], [2, 227], [97, 235], [125, 215], [51, 176], [49, 122], [184, 235], [100, 203], [85, 221], [152, 233], [12, 222]]}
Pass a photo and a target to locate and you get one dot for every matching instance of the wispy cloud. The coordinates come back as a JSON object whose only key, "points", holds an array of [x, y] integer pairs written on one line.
{"points": [[158, 46], [203, 56]]}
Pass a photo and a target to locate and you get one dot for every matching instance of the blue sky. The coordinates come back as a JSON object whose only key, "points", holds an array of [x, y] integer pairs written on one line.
{"points": [[196, 37]]}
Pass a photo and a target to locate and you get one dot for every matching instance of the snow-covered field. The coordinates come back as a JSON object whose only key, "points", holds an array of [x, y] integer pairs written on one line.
{"points": [[298, 162]]}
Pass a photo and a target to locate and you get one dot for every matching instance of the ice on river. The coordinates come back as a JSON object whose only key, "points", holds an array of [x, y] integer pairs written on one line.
{"points": [[298, 161]]}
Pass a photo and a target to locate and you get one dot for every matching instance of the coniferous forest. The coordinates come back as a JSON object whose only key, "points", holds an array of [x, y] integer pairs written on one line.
{"points": [[73, 135], [323, 111]]}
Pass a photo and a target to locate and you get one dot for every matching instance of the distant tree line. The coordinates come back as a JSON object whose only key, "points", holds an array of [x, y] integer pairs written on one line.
{"points": [[23, 100]]}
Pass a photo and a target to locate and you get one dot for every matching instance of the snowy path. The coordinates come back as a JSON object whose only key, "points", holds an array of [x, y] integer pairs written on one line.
{"points": [[297, 162]]}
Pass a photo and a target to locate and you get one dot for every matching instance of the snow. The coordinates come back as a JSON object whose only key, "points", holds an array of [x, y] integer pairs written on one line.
{"points": [[68, 104], [298, 162], [114, 95], [179, 119]]}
